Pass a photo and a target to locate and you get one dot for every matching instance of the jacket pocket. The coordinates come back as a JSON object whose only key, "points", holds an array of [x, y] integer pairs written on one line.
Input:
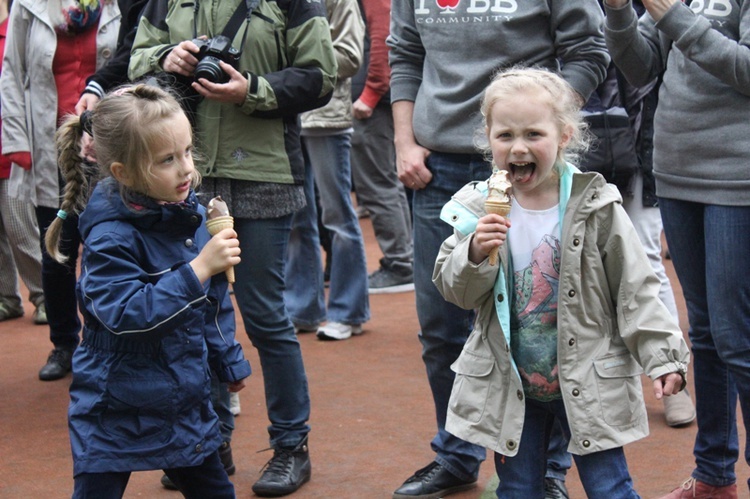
{"points": [[471, 386], [138, 408], [618, 380]]}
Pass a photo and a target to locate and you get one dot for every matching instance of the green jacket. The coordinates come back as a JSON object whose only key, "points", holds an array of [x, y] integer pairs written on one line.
{"points": [[611, 324], [290, 65]]}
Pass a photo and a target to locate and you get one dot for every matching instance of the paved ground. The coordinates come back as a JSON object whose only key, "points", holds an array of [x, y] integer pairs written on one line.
{"points": [[372, 417]]}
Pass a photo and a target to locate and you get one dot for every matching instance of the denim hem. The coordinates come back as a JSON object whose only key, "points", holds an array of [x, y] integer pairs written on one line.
{"points": [[455, 472], [712, 480]]}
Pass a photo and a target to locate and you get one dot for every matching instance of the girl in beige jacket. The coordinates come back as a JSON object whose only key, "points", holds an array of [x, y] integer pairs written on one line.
{"points": [[569, 319]]}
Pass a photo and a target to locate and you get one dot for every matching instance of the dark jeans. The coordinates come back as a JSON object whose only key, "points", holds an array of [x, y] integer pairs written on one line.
{"points": [[444, 327], [59, 280], [205, 481]]}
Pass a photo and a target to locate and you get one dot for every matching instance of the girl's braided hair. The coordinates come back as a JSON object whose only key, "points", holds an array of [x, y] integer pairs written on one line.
{"points": [[126, 125]]}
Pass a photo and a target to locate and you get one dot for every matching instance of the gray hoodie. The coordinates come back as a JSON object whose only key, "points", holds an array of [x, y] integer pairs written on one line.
{"points": [[443, 58], [702, 122]]}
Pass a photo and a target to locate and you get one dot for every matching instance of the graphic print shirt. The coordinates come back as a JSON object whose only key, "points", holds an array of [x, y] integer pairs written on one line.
{"points": [[533, 241]]}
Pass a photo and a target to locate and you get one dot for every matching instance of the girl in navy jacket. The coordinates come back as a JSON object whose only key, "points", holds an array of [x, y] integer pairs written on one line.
{"points": [[155, 302]]}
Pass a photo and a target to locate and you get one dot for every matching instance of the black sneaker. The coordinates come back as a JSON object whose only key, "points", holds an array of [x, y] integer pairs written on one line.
{"points": [[285, 472], [58, 364], [385, 281], [555, 489], [432, 482]]}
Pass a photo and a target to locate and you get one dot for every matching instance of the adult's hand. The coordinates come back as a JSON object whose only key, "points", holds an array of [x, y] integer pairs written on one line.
{"points": [[657, 8], [616, 3], [360, 110], [232, 92], [21, 158], [410, 156], [87, 102], [181, 59]]}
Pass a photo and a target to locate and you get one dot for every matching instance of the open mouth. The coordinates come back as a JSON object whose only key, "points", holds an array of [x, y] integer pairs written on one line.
{"points": [[521, 172]]}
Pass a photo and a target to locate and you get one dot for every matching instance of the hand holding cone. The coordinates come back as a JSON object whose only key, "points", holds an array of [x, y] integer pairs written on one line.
{"points": [[218, 219], [498, 200]]}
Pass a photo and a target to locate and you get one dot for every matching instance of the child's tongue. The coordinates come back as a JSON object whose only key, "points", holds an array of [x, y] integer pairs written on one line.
{"points": [[522, 173]]}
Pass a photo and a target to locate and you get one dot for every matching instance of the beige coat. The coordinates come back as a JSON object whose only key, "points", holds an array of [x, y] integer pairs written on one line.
{"points": [[347, 35], [29, 95], [610, 323]]}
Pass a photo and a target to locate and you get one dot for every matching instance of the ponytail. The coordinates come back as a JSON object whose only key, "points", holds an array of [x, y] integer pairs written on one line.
{"points": [[71, 164]]}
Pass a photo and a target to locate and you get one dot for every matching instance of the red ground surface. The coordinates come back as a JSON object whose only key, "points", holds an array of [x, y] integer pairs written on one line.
{"points": [[372, 416]]}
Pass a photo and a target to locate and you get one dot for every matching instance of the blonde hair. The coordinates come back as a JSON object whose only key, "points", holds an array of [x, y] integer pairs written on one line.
{"points": [[563, 100], [126, 125]]}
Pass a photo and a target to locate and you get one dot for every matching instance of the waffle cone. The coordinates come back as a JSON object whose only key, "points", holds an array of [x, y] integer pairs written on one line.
{"points": [[498, 208], [216, 225]]}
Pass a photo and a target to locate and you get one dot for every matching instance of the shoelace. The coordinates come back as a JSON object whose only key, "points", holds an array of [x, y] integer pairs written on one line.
{"points": [[280, 463], [428, 472], [688, 484]]}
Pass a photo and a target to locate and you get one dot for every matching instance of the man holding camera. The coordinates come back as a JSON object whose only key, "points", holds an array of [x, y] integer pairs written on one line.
{"points": [[247, 129]]}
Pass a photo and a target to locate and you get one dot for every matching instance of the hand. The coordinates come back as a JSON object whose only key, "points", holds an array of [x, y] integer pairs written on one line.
{"points": [[616, 3], [220, 253], [236, 386], [87, 148], [666, 385], [232, 92], [21, 158], [360, 110], [181, 59], [491, 232], [410, 163], [657, 8], [87, 102]]}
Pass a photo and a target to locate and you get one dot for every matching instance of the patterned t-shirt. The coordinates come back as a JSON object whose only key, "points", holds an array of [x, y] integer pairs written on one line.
{"points": [[533, 241]]}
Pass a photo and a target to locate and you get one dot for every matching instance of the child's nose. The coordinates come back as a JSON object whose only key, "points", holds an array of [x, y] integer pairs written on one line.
{"points": [[518, 146]]}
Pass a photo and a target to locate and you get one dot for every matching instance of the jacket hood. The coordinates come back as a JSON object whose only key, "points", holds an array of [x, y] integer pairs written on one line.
{"points": [[106, 205]]}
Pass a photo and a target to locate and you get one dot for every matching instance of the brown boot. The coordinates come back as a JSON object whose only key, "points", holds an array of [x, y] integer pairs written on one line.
{"points": [[693, 489]]}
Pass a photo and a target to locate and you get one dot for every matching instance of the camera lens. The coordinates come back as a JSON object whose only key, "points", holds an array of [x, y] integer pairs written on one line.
{"points": [[209, 69]]}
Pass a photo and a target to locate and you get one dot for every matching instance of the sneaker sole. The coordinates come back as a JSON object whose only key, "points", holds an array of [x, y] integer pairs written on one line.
{"points": [[401, 288], [321, 334], [440, 493]]}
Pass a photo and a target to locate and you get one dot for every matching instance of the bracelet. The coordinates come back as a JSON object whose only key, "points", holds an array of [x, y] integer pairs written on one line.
{"points": [[62, 214]]}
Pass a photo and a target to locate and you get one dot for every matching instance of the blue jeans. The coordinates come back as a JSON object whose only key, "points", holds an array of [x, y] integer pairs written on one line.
{"points": [[559, 459], [710, 247], [260, 298], [348, 302], [205, 481], [603, 474], [444, 327]]}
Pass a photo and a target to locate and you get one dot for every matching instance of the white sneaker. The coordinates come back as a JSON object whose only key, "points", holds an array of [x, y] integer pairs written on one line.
{"points": [[338, 331], [234, 403]]}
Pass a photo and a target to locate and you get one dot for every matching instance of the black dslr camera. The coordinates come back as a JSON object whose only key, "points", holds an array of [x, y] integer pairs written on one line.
{"points": [[210, 52]]}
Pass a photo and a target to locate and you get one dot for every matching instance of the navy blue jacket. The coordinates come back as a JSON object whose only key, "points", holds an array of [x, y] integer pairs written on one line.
{"points": [[140, 397]]}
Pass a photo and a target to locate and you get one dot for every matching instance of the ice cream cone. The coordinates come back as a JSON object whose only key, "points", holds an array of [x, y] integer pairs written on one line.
{"points": [[498, 208], [216, 225]]}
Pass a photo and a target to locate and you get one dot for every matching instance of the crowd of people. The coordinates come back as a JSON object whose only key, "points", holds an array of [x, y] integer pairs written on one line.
{"points": [[283, 110]]}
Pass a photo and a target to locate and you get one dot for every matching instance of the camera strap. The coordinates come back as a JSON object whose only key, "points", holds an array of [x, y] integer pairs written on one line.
{"points": [[243, 12]]}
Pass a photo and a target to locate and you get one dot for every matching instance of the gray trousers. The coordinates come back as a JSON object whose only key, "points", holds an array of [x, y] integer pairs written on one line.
{"points": [[20, 253], [378, 188]]}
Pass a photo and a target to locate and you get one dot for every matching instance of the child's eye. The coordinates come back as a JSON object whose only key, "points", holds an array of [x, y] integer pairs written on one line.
{"points": [[167, 160]]}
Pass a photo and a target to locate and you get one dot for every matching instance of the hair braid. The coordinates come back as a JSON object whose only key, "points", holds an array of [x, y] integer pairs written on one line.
{"points": [[71, 164]]}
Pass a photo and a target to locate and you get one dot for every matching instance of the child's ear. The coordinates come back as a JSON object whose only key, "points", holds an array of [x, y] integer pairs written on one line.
{"points": [[565, 137], [120, 173]]}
